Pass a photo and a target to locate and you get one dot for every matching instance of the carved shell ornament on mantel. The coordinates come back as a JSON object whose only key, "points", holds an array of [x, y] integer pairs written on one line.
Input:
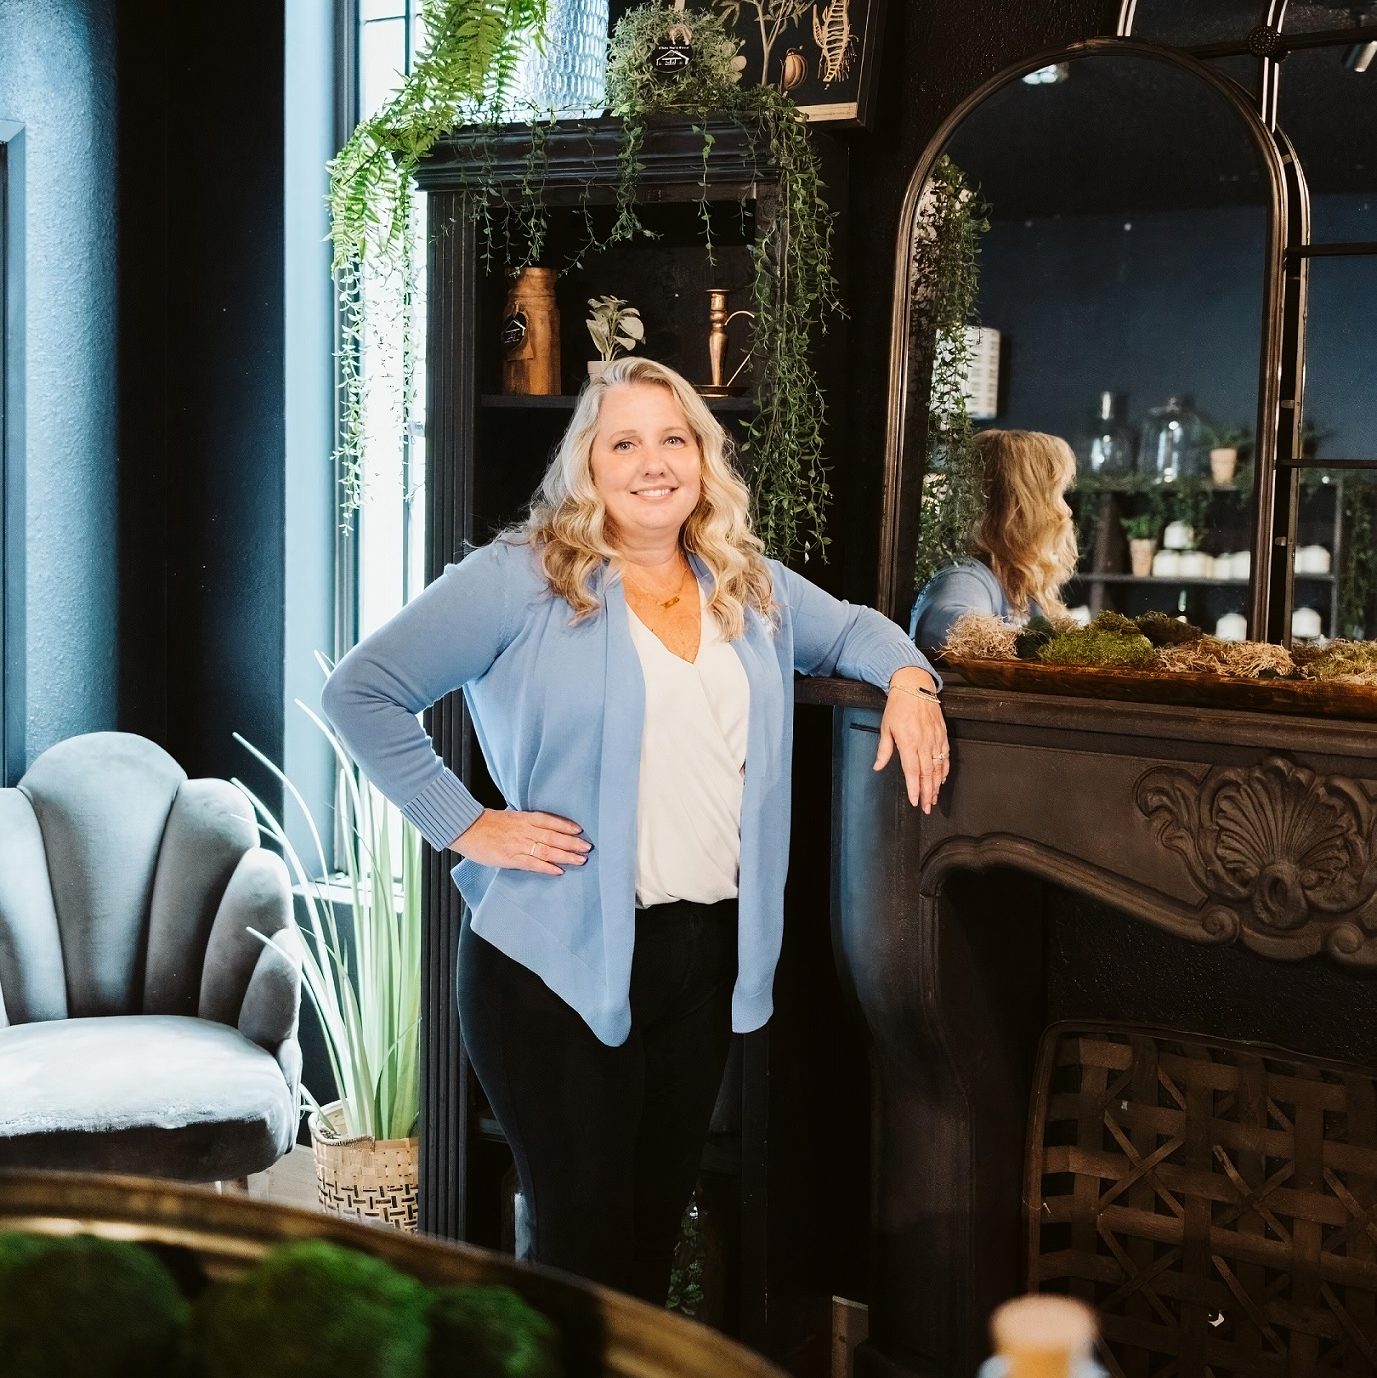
{"points": [[1287, 858]]}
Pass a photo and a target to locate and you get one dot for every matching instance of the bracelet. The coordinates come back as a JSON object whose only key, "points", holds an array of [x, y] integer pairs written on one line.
{"points": [[928, 694]]}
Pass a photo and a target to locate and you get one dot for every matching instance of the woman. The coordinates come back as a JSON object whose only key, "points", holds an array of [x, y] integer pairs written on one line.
{"points": [[628, 657], [1024, 545]]}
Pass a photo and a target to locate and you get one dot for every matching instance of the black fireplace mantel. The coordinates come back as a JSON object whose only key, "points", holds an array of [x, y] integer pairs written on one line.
{"points": [[1217, 827]]}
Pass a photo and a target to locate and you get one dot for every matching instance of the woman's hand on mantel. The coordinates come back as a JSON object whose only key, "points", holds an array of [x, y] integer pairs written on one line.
{"points": [[913, 726], [542, 842]]}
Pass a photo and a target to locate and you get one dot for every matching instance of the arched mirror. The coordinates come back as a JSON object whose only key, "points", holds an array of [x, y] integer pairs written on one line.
{"points": [[1109, 218]]}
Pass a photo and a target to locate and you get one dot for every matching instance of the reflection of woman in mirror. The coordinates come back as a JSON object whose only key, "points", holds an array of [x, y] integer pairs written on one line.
{"points": [[1024, 546]]}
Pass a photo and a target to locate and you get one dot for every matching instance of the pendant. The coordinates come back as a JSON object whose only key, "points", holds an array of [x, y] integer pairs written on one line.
{"points": [[671, 602]]}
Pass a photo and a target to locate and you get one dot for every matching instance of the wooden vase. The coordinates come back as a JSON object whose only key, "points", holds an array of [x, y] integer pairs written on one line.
{"points": [[530, 336]]}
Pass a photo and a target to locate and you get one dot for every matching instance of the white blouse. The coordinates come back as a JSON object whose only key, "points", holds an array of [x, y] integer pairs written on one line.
{"points": [[693, 759]]}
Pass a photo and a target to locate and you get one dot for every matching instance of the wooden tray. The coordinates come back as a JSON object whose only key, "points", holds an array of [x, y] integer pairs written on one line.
{"points": [[1317, 698]]}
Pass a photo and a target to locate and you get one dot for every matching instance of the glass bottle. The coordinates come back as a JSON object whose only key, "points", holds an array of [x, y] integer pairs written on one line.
{"points": [[1111, 449], [1172, 445]]}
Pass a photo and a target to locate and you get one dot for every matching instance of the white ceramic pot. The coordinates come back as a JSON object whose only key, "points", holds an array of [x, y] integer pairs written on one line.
{"points": [[1240, 564], [1312, 559], [1233, 626], [1305, 624], [1166, 564], [1195, 564], [596, 367], [1178, 536]]}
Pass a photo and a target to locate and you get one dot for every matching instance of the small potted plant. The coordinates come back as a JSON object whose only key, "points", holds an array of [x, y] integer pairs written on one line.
{"points": [[1142, 542], [1224, 443], [615, 327]]}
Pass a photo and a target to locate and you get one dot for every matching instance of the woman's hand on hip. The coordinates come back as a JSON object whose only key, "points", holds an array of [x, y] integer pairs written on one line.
{"points": [[913, 726], [541, 842]]}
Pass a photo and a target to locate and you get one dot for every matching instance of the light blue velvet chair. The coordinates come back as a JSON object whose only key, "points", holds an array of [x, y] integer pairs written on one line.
{"points": [[143, 1028]]}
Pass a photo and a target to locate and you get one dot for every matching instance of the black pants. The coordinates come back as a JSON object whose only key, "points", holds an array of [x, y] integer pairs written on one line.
{"points": [[607, 1141]]}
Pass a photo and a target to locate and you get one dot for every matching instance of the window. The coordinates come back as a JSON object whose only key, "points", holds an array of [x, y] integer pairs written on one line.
{"points": [[387, 533]]}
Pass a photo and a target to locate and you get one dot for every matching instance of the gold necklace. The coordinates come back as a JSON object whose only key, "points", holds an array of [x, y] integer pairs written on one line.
{"points": [[666, 603]]}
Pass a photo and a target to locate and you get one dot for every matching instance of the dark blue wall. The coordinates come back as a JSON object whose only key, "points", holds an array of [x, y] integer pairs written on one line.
{"points": [[57, 79], [1151, 305]]}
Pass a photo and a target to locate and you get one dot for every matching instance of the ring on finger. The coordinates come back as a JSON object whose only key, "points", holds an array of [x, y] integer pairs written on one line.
{"points": [[534, 845]]}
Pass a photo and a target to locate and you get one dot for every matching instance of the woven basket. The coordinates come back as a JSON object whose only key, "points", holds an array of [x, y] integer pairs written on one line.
{"points": [[364, 1178], [1215, 1201]]}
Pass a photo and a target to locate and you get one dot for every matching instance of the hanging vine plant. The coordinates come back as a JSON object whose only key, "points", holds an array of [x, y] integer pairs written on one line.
{"points": [[471, 51], [795, 293], [944, 282], [794, 285], [1358, 570]]}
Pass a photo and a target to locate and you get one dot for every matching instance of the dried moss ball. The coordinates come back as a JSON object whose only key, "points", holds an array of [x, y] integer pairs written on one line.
{"points": [[81, 1307], [313, 1307], [1092, 646], [489, 1332], [1162, 630], [1116, 622]]}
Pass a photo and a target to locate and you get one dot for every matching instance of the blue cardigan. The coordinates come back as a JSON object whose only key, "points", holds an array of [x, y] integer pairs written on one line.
{"points": [[558, 712]]}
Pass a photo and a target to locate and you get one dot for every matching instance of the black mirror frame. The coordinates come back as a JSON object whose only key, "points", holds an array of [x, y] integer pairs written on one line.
{"points": [[1280, 368]]}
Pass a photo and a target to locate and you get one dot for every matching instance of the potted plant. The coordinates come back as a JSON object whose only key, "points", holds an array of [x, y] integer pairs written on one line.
{"points": [[1141, 531], [1224, 444], [615, 327], [366, 992]]}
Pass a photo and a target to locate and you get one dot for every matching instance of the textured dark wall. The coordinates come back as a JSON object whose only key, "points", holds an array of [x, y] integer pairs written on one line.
{"points": [[57, 79], [201, 277], [226, 481]]}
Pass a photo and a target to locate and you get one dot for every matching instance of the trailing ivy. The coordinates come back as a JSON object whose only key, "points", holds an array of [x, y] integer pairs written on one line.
{"points": [[468, 63], [944, 281], [794, 285], [1358, 572]]}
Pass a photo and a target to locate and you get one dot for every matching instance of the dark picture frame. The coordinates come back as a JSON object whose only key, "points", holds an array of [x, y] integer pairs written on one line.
{"points": [[823, 53]]}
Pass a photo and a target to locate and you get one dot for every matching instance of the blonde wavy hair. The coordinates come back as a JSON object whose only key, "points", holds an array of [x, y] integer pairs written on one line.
{"points": [[569, 524], [1025, 534]]}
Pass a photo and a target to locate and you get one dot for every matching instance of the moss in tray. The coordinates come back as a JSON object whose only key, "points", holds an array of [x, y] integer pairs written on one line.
{"points": [[80, 1307], [84, 1307]]}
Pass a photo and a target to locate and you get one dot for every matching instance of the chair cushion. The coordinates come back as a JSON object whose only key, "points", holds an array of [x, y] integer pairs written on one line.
{"points": [[158, 1095]]}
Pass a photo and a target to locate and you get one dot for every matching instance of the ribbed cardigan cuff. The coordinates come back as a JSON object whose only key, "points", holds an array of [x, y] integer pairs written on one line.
{"points": [[878, 668], [443, 810]]}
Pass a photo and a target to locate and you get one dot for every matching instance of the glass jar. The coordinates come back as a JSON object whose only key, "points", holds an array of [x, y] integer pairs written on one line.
{"points": [[569, 76], [1111, 447], [1172, 446]]}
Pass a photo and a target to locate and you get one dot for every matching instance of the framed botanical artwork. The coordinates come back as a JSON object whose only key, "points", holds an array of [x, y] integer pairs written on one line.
{"points": [[823, 53]]}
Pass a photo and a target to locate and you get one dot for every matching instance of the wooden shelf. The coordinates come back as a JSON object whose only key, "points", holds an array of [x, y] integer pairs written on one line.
{"points": [[1184, 579], [727, 406]]}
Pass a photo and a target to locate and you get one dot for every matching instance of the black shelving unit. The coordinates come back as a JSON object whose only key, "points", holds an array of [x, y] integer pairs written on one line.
{"points": [[565, 402], [485, 454]]}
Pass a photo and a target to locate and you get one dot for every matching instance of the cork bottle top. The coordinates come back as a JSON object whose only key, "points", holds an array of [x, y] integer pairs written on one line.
{"points": [[1043, 1336]]}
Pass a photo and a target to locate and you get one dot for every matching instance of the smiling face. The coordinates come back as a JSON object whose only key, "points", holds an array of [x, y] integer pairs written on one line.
{"points": [[646, 463]]}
